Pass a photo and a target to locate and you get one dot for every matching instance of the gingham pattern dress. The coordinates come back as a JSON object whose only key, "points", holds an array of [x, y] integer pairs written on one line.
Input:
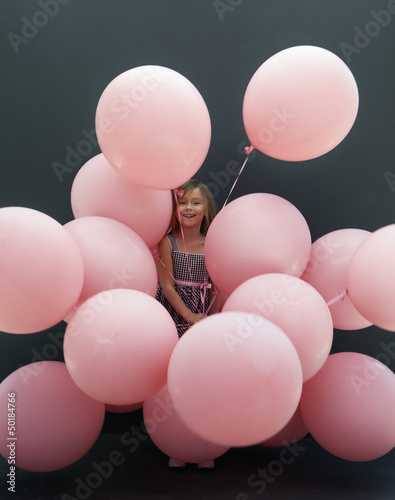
{"points": [[190, 282]]}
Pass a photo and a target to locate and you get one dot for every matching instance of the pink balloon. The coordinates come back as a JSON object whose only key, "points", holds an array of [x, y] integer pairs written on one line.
{"points": [[222, 300], [114, 256], [327, 269], [55, 422], [300, 103], [235, 379], [172, 436], [153, 126], [349, 407], [293, 431], [294, 306], [99, 190], [117, 346], [256, 234], [41, 271], [371, 277], [123, 408]]}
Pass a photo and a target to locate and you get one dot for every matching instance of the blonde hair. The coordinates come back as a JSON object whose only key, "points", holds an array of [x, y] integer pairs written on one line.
{"points": [[209, 205]]}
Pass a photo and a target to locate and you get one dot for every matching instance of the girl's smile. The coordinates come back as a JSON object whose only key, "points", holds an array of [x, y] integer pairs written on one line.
{"points": [[191, 207]]}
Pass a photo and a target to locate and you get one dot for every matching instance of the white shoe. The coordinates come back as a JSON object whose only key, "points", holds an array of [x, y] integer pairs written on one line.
{"points": [[176, 464], [209, 465]]}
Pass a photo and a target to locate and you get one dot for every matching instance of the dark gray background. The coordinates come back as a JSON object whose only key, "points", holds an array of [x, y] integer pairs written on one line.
{"points": [[50, 87]]}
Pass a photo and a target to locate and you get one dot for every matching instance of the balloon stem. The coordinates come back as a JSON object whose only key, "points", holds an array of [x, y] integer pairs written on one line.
{"points": [[340, 296]]}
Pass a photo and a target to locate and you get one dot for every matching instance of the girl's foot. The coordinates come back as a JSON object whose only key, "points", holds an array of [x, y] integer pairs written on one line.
{"points": [[206, 466], [176, 464]]}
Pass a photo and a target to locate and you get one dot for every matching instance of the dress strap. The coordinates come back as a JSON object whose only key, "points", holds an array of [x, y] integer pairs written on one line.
{"points": [[173, 242]]}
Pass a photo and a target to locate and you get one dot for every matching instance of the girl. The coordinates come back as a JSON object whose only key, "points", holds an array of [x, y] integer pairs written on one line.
{"points": [[184, 285]]}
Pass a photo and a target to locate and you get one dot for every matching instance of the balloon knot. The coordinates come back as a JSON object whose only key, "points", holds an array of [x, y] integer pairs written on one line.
{"points": [[248, 150], [154, 252], [340, 296]]}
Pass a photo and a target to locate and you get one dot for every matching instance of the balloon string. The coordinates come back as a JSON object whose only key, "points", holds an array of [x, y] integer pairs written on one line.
{"points": [[248, 150], [156, 257], [340, 296], [176, 194], [215, 294], [206, 285]]}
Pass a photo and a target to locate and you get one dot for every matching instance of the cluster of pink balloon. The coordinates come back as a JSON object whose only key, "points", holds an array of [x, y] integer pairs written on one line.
{"points": [[260, 372]]}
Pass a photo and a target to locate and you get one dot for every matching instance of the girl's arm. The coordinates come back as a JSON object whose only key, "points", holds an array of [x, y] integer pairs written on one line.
{"points": [[167, 282]]}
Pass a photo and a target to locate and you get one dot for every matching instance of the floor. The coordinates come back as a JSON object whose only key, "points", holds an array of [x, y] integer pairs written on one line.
{"points": [[140, 472]]}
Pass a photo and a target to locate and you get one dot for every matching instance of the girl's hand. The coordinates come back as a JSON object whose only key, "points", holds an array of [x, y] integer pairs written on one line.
{"points": [[194, 318]]}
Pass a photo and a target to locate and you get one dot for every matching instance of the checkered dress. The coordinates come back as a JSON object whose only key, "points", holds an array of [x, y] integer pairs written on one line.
{"points": [[187, 268]]}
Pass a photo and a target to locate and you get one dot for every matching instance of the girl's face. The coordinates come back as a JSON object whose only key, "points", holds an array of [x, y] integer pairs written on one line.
{"points": [[192, 208]]}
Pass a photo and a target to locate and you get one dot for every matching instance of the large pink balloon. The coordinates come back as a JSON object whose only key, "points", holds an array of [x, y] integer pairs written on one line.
{"points": [[349, 407], [256, 234], [371, 277], [99, 190], [55, 422], [327, 269], [293, 431], [235, 378], [300, 103], [153, 126], [124, 408], [117, 346], [172, 436], [296, 307], [41, 271], [114, 257]]}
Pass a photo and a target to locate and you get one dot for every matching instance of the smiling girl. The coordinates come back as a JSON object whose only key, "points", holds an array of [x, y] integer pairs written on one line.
{"points": [[184, 284]]}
